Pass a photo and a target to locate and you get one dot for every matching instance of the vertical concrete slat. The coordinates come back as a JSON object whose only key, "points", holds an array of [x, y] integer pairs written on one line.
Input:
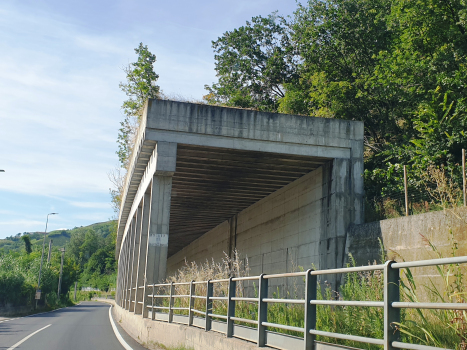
{"points": [[122, 270], [135, 254], [140, 277], [126, 266], [122, 275], [130, 261], [127, 260]]}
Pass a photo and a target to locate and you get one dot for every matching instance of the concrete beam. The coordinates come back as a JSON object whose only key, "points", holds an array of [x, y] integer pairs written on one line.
{"points": [[162, 162], [249, 145]]}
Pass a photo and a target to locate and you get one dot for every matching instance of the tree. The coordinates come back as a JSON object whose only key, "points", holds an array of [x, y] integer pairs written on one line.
{"points": [[253, 63], [140, 86], [27, 244]]}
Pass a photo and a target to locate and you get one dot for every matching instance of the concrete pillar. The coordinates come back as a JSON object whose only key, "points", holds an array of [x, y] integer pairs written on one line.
{"points": [[130, 242], [124, 270], [142, 254], [356, 174], [120, 276], [123, 255], [342, 206], [126, 264], [134, 259], [159, 216], [118, 287]]}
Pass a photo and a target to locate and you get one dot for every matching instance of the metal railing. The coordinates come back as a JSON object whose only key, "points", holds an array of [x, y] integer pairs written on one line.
{"points": [[260, 334]]}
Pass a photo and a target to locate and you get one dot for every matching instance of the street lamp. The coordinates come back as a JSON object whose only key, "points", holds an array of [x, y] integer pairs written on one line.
{"points": [[42, 257]]}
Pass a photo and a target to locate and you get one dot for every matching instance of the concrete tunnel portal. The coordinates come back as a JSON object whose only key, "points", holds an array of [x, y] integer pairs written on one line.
{"points": [[196, 166]]}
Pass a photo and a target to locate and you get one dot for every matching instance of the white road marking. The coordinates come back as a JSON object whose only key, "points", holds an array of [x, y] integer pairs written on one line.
{"points": [[26, 338], [117, 333]]}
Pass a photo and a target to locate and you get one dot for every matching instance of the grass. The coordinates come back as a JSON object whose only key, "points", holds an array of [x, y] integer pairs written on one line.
{"points": [[440, 328]]}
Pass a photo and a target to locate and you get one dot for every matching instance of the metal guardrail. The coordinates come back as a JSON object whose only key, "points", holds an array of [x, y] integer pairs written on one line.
{"points": [[391, 304]]}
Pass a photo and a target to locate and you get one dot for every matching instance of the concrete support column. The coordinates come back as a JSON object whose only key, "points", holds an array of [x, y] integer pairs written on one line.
{"points": [[121, 269], [159, 217], [142, 254], [134, 258], [342, 206], [125, 267], [120, 280], [356, 178], [130, 243]]}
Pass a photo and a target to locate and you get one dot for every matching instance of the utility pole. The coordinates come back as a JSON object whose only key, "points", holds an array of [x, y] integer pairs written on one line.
{"points": [[38, 291], [463, 177], [61, 270], [406, 192], [76, 286], [50, 252]]}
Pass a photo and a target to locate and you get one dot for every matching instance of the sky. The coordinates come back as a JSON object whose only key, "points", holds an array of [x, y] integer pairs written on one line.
{"points": [[60, 66]]}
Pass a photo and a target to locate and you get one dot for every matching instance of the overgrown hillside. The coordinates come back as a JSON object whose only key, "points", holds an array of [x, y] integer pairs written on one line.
{"points": [[89, 260], [60, 237]]}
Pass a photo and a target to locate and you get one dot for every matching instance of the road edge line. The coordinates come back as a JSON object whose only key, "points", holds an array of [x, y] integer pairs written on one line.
{"points": [[117, 333], [27, 337]]}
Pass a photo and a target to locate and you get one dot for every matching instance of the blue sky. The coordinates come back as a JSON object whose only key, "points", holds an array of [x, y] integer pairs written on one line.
{"points": [[60, 66]]}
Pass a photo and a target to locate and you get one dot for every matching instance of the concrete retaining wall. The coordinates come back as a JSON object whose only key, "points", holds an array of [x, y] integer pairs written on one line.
{"points": [[406, 238], [276, 234], [149, 333], [8, 310]]}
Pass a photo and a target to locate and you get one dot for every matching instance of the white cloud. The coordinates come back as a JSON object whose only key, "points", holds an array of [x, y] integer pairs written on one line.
{"points": [[92, 205]]}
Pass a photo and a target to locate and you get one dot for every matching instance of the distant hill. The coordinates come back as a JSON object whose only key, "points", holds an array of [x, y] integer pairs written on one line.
{"points": [[60, 237]]}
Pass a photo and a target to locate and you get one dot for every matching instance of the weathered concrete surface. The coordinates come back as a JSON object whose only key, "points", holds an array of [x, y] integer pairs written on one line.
{"points": [[238, 131], [203, 165], [147, 331], [276, 234], [406, 238]]}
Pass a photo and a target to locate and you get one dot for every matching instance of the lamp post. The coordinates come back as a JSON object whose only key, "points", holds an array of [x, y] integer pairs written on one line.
{"points": [[61, 271], [42, 258]]}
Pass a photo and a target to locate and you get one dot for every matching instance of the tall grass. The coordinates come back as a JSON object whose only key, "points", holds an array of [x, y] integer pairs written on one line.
{"points": [[440, 328]]}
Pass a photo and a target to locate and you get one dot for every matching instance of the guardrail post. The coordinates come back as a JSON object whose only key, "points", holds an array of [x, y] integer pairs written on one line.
{"points": [[209, 294], [191, 303], [391, 314], [231, 307], [262, 310], [171, 302], [310, 310], [153, 312]]}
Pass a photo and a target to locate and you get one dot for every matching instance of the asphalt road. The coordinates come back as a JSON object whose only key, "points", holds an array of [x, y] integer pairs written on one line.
{"points": [[83, 327]]}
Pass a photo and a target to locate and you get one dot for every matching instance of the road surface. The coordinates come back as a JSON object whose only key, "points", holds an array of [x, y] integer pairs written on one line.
{"points": [[82, 327]]}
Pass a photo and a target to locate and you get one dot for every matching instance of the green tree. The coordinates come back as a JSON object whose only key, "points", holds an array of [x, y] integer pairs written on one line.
{"points": [[253, 63], [339, 42], [27, 243], [140, 85]]}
